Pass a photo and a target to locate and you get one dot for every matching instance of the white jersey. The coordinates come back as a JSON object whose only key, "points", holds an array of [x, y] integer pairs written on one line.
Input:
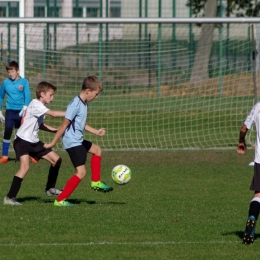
{"points": [[254, 119], [31, 121]]}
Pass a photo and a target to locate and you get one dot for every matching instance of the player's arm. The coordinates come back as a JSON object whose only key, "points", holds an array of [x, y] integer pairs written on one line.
{"points": [[59, 133], [99, 132], [27, 97], [48, 128], [55, 113], [27, 93], [2, 95], [241, 143]]}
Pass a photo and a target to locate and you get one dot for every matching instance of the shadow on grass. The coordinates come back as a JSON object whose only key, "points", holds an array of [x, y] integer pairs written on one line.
{"points": [[74, 201], [92, 202], [23, 199], [239, 234]]}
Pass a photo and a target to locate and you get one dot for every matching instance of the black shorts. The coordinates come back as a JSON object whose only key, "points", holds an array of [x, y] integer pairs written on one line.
{"points": [[35, 150], [78, 154], [255, 184]]}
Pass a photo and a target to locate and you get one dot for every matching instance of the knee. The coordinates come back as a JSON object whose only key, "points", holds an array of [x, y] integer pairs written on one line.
{"points": [[81, 173], [8, 133], [58, 162], [99, 151]]}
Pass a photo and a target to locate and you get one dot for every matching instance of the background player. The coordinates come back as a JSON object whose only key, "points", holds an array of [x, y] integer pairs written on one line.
{"points": [[253, 118], [18, 94]]}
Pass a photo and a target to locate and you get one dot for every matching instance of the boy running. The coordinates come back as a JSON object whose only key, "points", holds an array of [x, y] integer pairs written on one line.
{"points": [[72, 131], [27, 143], [18, 94]]}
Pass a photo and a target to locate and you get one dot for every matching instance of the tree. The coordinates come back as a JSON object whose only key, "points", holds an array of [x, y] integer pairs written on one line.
{"points": [[210, 8]]}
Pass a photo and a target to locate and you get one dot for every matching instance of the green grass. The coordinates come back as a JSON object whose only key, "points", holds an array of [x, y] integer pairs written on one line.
{"points": [[178, 205]]}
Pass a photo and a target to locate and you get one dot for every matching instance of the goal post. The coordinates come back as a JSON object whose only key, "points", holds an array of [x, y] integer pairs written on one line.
{"points": [[21, 36], [149, 101]]}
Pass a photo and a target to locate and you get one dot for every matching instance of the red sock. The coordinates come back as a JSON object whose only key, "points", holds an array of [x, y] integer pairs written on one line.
{"points": [[70, 186], [95, 167]]}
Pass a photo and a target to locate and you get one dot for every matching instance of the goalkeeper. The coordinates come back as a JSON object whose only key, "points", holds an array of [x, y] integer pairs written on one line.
{"points": [[18, 94]]}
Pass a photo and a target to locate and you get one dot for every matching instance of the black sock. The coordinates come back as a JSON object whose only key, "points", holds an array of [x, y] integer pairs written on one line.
{"points": [[15, 187], [254, 209], [52, 177]]}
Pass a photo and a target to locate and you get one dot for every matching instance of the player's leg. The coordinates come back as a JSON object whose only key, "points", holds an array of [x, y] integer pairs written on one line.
{"points": [[78, 156], [70, 186], [10, 198], [254, 208], [55, 161], [12, 119], [6, 144], [95, 164]]}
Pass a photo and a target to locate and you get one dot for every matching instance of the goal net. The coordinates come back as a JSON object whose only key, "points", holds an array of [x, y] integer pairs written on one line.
{"points": [[166, 85]]}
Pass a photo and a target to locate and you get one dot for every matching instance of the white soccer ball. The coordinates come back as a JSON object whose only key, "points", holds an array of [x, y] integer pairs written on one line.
{"points": [[121, 174]]}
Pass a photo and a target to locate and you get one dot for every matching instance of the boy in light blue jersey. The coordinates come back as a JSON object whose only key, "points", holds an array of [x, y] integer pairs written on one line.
{"points": [[18, 94], [72, 132]]}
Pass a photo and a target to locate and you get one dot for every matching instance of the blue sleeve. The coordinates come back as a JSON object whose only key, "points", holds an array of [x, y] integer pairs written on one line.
{"points": [[2, 94], [27, 93]]}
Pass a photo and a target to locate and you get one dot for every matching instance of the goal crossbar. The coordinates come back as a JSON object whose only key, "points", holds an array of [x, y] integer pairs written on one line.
{"points": [[131, 20]]}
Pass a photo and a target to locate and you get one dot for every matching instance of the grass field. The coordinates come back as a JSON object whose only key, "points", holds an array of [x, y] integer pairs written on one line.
{"points": [[178, 205]]}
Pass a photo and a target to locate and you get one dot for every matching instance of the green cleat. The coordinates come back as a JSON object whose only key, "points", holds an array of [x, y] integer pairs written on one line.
{"points": [[63, 203], [100, 186]]}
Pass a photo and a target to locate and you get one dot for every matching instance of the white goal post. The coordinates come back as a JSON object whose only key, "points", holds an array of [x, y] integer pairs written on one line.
{"points": [[145, 64], [21, 36]]}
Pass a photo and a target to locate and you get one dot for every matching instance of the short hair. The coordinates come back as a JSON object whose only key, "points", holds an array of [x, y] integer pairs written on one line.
{"points": [[44, 87], [92, 83], [12, 65]]}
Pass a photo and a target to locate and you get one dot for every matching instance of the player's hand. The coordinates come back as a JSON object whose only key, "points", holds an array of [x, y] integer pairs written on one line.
{"points": [[241, 148], [21, 113], [47, 146], [101, 132], [2, 118]]}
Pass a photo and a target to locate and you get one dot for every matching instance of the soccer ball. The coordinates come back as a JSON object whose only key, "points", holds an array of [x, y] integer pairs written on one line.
{"points": [[121, 174]]}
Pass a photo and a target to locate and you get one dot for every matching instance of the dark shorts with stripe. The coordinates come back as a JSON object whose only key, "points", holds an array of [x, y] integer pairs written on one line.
{"points": [[255, 184], [12, 119], [78, 154], [35, 150]]}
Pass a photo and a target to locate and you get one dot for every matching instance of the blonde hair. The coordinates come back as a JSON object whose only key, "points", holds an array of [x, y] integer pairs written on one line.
{"points": [[92, 83]]}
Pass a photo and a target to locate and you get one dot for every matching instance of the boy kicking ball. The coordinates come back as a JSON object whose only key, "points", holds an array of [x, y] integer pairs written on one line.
{"points": [[27, 143], [72, 131]]}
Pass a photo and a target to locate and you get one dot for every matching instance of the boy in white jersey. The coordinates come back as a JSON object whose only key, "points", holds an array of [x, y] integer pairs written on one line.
{"points": [[253, 118], [72, 131], [27, 143], [17, 90]]}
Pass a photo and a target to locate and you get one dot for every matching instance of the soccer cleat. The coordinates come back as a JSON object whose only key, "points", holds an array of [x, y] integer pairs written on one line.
{"points": [[249, 234], [63, 203], [11, 201], [33, 160], [4, 159], [100, 186], [53, 192]]}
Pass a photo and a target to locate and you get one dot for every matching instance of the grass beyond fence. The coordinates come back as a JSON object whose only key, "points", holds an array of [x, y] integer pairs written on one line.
{"points": [[178, 205]]}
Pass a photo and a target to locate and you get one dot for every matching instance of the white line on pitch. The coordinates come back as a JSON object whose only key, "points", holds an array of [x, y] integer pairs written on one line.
{"points": [[120, 243]]}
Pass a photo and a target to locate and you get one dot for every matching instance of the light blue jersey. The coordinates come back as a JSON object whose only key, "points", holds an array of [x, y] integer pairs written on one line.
{"points": [[77, 113], [18, 93]]}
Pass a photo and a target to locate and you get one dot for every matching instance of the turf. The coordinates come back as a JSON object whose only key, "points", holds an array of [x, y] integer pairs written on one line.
{"points": [[178, 205]]}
